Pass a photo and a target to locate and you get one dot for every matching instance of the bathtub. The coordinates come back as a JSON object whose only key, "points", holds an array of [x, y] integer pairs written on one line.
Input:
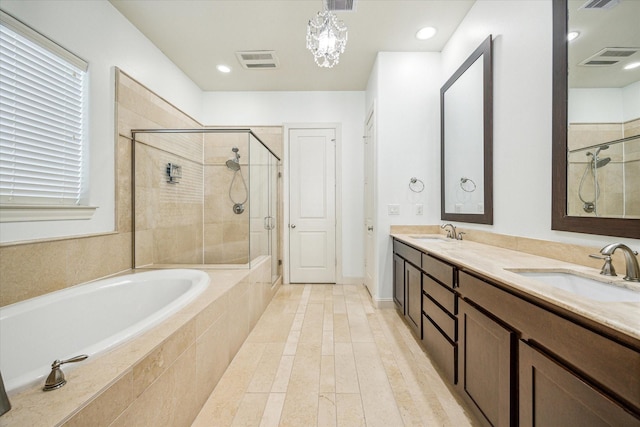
{"points": [[88, 319]]}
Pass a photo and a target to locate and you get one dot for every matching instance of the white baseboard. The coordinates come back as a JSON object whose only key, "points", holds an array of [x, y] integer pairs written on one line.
{"points": [[384, 303]]}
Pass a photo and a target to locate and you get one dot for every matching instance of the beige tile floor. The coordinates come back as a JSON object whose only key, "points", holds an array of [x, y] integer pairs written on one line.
{"points": [[322, 355]]}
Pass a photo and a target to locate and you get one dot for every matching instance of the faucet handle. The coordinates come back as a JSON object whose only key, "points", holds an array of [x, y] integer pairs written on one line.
{"points": [[56, 378], [607, 268]]}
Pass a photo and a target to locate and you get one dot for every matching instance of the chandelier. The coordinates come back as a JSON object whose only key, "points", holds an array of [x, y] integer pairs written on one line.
{"points": [[326, 38]]}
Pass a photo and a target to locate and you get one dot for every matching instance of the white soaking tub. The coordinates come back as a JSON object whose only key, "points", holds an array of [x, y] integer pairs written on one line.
{"points": [[88, 319]]}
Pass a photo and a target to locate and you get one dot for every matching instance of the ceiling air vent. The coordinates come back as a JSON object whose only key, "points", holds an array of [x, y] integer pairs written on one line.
{"points": [[258, 59], [340, 5], [600, 4], [609, 56]]}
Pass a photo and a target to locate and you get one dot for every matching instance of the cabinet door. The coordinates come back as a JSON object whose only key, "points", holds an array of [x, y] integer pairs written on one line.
{"points": [[398, 282], [413, 280], [486, 366], [551, 395]]}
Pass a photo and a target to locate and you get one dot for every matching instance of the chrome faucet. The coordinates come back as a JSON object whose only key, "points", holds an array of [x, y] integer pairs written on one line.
{"points": [[451, 234], [5, 405], [633, 270]]}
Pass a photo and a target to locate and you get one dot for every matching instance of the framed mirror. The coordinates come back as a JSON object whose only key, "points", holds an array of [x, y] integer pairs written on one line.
{"points": [[596, 118], [466, 123]]}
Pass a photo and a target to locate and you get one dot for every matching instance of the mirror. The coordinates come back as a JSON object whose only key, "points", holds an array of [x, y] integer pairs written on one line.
{"points": [[596, 118], [466, 123]]}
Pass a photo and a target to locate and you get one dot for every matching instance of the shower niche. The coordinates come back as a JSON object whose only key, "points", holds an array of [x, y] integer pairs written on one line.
{"points": [[222, 211]]}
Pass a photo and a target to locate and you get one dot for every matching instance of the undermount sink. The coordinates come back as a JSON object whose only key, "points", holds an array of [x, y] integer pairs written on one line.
{"points": [[585, 287], [431, 238]]}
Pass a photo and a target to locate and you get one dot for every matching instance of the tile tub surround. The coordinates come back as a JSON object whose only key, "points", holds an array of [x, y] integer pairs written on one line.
{"points": [[164, 376], [492, 262]]}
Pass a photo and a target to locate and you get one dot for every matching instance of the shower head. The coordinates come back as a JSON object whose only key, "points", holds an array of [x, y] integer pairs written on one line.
{"points": [[601, 162], [234, 163]]}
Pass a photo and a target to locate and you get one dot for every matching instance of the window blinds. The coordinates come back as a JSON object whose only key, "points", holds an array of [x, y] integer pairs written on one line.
{"points": [[42, 115]]}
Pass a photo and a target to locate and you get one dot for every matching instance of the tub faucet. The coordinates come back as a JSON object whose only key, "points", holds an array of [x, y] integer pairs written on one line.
{"points": [[5, 405], [633, 270], [451, 234], [56, 379]]}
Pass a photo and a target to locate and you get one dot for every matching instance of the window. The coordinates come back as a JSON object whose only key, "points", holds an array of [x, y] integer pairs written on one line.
{"points": [[42, 124]]}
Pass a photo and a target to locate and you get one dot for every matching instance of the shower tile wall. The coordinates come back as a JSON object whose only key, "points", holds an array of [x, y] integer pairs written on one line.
{"points": [[615, 199], [169, 216], [226, 234]]}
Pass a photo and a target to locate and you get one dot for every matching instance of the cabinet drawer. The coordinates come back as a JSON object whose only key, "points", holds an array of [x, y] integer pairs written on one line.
{"points": [[407, 252], [441, 351], [438, 269], [440, 294], [440, 317]]}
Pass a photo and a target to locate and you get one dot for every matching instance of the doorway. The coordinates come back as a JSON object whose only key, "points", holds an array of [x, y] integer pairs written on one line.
{"points": [[312, 205]]}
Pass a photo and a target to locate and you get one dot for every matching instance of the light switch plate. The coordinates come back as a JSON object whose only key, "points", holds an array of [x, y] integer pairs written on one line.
{"points": [[393, 209]]}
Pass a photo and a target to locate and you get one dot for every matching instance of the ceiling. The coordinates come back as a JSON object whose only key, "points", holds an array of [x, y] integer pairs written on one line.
{"points": [[197, 35], [600, 29]]}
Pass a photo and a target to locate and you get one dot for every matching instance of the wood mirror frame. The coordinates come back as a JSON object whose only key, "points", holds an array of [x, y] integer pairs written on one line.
{"points": [[560, 220], [482, 53]]}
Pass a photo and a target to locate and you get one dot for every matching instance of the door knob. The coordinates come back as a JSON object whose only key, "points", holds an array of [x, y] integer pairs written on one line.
{"points": [[293, 226]]}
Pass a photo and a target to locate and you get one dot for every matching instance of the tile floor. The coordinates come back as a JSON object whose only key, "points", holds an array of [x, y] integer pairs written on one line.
{"points": [[322, 355]]}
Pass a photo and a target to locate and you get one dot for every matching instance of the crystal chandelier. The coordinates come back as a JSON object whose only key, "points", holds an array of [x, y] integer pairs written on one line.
{"points": [[326, 38]]}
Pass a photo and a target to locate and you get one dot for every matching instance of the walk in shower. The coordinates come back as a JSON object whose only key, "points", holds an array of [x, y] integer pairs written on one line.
{"points": [[206, 198]]}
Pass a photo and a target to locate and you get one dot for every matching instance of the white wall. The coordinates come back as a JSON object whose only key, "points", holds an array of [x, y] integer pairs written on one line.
{"points": [[405, 87], [522, 60], [290, 108], [97, 32], [604, 105]]}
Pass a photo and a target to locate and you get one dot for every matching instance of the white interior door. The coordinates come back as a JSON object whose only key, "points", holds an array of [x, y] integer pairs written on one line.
{"points": [[312, 206], [369, 198]]}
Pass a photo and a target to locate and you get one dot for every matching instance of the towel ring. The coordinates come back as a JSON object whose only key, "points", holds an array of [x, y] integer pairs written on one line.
{"points": [[416, 185], [463, 181]]}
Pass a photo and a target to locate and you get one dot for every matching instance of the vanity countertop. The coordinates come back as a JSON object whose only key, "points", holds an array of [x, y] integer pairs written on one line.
{"points": [[495, 263]]}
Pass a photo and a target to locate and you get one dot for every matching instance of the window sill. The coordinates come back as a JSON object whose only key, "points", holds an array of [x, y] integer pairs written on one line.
{"points": [[28, 213]]}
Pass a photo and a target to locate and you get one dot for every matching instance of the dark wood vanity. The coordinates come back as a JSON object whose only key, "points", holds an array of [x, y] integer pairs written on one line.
{"points": [[515, 358]]}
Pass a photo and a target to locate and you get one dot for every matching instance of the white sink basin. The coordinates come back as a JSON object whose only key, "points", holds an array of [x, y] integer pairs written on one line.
{"points": [[587, 288], [431, 238]]}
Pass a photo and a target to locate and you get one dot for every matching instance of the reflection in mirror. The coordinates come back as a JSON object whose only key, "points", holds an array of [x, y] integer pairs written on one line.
{"points": [[596, 146], [466, 125]]}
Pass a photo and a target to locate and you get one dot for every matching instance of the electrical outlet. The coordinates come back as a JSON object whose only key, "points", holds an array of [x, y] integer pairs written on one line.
{"points": [[419, 209], [393, 209]]}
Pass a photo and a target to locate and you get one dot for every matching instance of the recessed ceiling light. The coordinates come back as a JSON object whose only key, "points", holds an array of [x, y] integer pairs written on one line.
{"points": [[426, 33], [223, 68], [573, 35], [632, 66]]}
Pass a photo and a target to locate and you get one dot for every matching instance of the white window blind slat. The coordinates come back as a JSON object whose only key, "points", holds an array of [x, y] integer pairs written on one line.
{"points": [[42, 104]]}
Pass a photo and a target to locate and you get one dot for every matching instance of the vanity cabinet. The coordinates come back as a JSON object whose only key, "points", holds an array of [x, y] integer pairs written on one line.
{"points": [[487, 365], [551, 395], [398, 282], [557, 363], [407, 286], [516, 359]]}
